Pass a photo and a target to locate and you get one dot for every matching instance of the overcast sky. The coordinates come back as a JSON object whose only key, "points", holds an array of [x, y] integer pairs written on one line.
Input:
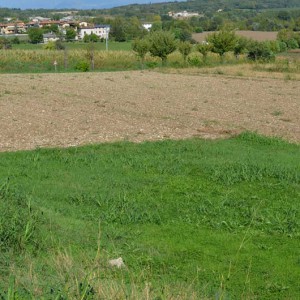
{"points": [[80, 4]]}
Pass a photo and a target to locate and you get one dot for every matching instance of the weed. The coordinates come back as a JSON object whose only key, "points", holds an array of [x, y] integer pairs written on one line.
{"points": [[277, 113]]}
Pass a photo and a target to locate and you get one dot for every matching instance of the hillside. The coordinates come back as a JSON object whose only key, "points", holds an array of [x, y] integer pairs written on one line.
{"points": [[203, 6]]}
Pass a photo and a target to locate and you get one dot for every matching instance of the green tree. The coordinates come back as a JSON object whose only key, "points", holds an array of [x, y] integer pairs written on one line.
{"points": [[222, 42], [118, 29], [91, 38], [35, 35], [4, 43], [260, 51], [239, 46], [185, 48], [70, 34], [54, 28], [162, 43], [134, 29], [15, 40], [141, 47], [204, 48], [156, 26]]}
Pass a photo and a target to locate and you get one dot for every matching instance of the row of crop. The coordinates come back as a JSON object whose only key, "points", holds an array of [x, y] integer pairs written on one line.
{"points": [[183, 54]]}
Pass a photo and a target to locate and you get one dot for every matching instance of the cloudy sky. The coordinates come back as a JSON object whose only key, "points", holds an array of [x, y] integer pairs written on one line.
{"points": [[80, 4]]}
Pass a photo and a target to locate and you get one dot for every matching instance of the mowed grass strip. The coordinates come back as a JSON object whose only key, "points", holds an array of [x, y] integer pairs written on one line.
{"points": [[192, 219]]}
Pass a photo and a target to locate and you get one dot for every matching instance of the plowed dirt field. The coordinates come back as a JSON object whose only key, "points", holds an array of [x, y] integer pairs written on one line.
{"points": [[60, 110]]}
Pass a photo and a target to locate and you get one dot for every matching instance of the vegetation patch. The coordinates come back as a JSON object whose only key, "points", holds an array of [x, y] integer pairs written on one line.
{"points": [[191, 219]]}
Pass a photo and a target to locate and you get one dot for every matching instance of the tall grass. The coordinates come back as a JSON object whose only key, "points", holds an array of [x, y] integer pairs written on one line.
{"points": [[73, 59], [192, 219], [41, 60]]}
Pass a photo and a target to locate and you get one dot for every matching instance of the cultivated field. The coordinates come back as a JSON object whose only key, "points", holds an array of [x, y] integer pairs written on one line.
{"points": [[255, 35], [45, 110], [191, 218]]}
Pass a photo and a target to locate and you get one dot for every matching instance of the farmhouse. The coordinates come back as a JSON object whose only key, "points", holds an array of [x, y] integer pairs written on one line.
{"points": [[12, 28], [102, 31], [183, 14], [49, 37]]}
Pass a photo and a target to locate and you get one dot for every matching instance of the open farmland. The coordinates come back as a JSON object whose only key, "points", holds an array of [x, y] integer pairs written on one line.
{"points": [[73, 109], [255, 35], [191, 218]]}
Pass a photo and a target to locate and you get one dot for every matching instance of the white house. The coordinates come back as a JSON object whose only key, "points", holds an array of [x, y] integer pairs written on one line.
{"points": [[49, 37], [147, 26], [183, 14], [102, 31]]}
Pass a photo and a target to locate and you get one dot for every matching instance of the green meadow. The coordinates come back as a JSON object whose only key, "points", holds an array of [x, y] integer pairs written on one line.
{"points": [[192, 219], [112, 46]]}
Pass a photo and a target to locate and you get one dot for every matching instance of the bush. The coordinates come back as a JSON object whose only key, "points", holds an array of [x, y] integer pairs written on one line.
{"points": [[292, 44], [141, 48], [90, 38], [273, 46], [162, 43], [222, 42], [185, 48], [198, 29], [194, 61], [282, 46], [260, 51], [82, 66], [5, 43]]}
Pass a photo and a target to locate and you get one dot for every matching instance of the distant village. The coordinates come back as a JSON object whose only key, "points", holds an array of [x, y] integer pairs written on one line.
{"points": [[81, 28], [17, 27]]}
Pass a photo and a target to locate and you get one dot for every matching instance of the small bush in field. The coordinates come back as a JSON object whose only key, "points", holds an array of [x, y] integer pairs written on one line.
{"points": [[82, 66], [260, 51], [194, 61], [185, 48]]}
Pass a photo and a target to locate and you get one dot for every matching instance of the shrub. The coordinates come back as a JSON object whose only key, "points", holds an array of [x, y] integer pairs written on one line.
{"points": [[82, 66], [162, 43], [185, 49], [204, 48], [5, 43], [292, 44], [35, 35], [194, 61], [141, 48], [274, 46], [260, 51], [282, 46], [222, 42], [90, 38], [198, 29]]}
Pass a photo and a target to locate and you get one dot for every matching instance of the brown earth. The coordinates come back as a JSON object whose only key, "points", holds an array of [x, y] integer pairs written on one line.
{"points": [[74, 109], [255, 35]]}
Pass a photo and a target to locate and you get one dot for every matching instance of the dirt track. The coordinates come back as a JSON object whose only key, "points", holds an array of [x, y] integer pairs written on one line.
{"points": [[73, 109]]}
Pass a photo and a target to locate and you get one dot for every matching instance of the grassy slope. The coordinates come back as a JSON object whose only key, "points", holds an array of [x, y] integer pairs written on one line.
{"points": [[196, 217]]}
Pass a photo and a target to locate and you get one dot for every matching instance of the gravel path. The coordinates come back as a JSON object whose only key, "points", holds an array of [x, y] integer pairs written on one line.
{"points": [[47, 110]]}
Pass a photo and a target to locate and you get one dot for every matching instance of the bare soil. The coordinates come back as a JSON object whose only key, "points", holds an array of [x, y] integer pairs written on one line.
{"points": [[255, 35], [60, 110]]}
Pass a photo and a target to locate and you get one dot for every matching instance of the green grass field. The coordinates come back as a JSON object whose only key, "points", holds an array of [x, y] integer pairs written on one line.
{"points": [[192, 219], [112, 46]]}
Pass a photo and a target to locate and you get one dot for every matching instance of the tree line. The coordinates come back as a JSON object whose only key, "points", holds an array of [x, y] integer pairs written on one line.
{"points": [[163, 43]]}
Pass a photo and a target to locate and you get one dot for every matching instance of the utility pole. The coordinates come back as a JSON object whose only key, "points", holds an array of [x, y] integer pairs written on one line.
{"points": [[106, 39]]}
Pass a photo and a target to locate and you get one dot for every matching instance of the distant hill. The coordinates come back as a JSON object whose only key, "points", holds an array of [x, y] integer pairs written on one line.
{"points": [[78, 4], [205, 6]]}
